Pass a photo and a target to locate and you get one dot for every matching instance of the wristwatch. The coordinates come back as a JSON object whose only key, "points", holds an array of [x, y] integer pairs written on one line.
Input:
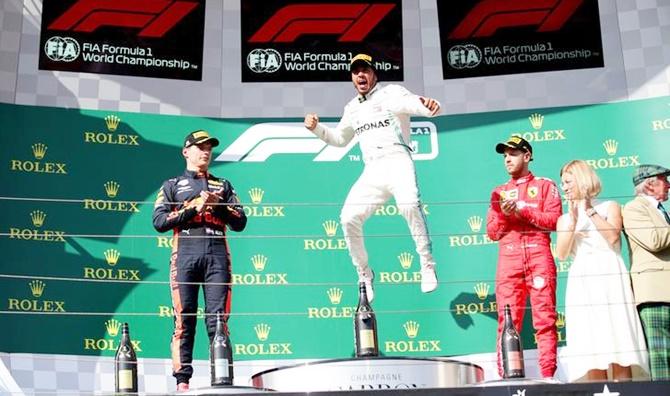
{"points": [[590, 212]]}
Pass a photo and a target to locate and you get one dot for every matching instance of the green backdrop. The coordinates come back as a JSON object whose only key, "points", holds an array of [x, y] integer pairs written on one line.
{"points": [[80, 255]]}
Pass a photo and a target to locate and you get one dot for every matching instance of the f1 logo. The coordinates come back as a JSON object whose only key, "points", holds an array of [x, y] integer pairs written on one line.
{"points": [[352, 22], [490, 15], [154, 17], [261, 141]]}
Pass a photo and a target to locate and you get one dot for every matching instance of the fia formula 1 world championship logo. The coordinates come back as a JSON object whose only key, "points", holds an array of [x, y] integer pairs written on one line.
{"points": [[62, 49], [261, 141], [264, 60], [464, 56]]}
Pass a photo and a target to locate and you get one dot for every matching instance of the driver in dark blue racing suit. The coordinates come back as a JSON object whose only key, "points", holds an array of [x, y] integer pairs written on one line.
{"points": [[198, 207]]}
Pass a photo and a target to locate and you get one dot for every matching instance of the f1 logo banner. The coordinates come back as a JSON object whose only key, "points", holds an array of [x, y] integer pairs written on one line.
{"points": [[152, 38], [303, 40], [261, 141], [493, 37]]}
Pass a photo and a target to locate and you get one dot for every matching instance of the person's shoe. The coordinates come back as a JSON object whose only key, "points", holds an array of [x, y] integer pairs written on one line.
{"points": [[368, 277], [182, 387], [428, 278]]}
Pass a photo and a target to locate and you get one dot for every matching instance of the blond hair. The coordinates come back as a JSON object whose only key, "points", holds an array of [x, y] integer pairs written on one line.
{"points": [[586, 179]]}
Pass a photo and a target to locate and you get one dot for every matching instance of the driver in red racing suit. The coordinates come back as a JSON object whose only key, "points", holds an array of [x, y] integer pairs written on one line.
{"points": [[523, 212]]}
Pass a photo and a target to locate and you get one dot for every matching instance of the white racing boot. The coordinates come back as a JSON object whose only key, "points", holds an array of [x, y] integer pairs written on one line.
{"points": [[428, 278]]}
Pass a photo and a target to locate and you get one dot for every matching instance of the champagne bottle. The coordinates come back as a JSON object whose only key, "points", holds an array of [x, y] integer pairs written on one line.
{"points": [[365, 326], [221, 356], [125, 364], [511, 349]]}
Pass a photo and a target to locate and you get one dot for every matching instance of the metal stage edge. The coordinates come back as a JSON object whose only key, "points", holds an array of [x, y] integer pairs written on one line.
{"points": [[369, 373], [523, 387]]}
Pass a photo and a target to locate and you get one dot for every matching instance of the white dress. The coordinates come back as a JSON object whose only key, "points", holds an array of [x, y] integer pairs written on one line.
{"points": [[602, 324]]}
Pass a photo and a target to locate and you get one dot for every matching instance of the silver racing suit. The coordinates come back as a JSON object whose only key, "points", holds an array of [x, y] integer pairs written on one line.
{"points": [[381, 121]]}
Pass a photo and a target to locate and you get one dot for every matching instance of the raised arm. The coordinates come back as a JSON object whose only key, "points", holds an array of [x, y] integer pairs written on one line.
{"points": [[339, 136], [408, 103]]}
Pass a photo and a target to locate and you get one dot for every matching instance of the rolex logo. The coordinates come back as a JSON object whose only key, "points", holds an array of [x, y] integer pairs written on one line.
{"points": [[475, 223], [256, 195], [406, 260], [411, 328], [112, 256], [36, 166], [536, 120], [39, 150], [112, 122], [37, 216], [112, 188], [611, 146], [482, 290], [32, 305], [612, 160], [560, 320], [259, 261], [263, 349], [113, 326], [37, 288], [330, 242], [330, 226], [334, 295], [262, 331]]}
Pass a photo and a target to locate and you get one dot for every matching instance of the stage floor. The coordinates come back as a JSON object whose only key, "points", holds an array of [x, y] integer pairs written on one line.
{"points": [[490, 388]]}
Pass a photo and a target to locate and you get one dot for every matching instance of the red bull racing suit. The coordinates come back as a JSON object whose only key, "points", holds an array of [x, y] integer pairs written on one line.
{"points": [[200, 255], [525, 263]]}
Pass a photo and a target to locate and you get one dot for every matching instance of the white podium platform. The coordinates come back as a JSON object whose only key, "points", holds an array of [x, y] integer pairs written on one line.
{"points": [[369, 373], [225, 390]]}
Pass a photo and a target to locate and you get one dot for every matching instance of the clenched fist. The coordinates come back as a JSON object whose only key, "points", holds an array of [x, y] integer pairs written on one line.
{"points": [[311, 119], [431, 104]]}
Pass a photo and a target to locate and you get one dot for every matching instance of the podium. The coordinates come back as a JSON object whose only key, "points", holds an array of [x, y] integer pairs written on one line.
{"points": [[224, 390], [369, 373]]}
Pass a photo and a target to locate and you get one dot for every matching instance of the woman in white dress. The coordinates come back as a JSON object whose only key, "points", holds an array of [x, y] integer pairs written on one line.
{"points": [[603, 331]]}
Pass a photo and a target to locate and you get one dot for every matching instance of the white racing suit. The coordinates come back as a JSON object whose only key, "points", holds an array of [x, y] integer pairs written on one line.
{"points": [[381, 120]]}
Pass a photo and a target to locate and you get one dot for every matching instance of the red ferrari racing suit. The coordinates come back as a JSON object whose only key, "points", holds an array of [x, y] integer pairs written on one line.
{"points": [[525, 263]]}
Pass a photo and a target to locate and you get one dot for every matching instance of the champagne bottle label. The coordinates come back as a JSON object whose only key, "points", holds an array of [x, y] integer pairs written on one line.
{"points": [[125, 379], [367, 338], [514, 360], [220, 368]]}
